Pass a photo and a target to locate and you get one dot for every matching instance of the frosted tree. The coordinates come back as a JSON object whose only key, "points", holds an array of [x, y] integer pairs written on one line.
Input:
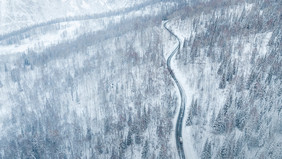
{"points": [[222, 83], [145, 150], [206, 153], [129, 138], [219, 125]]}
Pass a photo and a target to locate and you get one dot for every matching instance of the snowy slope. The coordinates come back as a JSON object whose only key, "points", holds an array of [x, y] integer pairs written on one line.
{"points": [[40, 37], [100, 88], [94, 88], [230, 66], [22, 13]]}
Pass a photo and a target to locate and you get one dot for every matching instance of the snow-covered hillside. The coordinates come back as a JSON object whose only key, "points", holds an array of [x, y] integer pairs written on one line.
{"points": [[230, 65], [22, 13], [95, 88], [90, 79], [38, 37]]}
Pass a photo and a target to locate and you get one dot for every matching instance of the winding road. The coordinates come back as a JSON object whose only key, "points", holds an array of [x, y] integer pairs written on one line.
{"points": [[178, 129]]}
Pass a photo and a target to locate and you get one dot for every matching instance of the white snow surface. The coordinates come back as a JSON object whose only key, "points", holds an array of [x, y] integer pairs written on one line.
{"points": [[22, 13], [65, 31], [200, 78]]}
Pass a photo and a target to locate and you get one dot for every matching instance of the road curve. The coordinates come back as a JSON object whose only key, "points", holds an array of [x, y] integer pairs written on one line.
{"points": [[178, 129]]}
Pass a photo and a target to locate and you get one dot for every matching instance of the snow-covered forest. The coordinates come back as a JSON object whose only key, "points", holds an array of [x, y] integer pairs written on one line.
{"points": [[91, 79]]}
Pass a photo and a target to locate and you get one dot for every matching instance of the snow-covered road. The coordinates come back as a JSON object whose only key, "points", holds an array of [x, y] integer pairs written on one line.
{"points": [[178, 129]]}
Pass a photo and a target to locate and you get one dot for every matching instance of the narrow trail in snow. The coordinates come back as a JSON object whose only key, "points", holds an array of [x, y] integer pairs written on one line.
{"points": [[178, 129]]}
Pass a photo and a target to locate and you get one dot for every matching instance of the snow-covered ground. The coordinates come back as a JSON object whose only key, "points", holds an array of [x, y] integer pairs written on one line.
{"points": [[104, 95], [99, 88], [22, 13], [216, 66], [38, 39]]}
